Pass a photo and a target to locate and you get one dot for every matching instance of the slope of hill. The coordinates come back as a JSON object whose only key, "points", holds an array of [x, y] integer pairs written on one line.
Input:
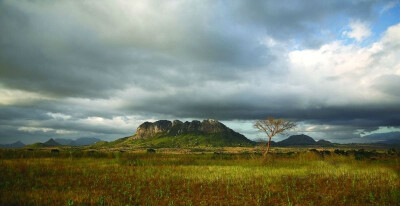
{"points": [[78, 142], [164, 133], [35, 145]]}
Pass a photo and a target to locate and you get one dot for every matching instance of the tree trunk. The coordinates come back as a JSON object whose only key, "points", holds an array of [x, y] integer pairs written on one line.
{"points": [[269, 144]]}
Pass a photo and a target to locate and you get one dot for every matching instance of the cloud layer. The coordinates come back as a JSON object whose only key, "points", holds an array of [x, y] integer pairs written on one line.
{"points": [[100, 68]]}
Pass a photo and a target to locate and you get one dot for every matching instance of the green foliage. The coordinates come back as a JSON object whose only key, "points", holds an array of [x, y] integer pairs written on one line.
{"points": [[163, 140], [187, 140], [70, 202], [35, 145]]}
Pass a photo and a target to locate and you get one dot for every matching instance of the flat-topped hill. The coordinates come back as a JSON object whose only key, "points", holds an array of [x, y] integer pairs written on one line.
{"points": [[165, 133]]}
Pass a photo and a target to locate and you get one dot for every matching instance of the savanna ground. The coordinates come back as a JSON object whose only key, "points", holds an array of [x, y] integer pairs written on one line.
{"points": [[76, 177]]}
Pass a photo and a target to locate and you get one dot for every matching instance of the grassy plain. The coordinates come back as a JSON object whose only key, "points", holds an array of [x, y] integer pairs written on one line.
{"points": [[75, 177]]}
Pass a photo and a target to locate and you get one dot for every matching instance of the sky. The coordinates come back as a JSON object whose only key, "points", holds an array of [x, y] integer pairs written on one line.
{"points": [[100, 68]]}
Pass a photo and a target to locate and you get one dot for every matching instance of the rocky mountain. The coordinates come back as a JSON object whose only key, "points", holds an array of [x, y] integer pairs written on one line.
{"points": [[16, 144], [164, 133], [177, 127]]}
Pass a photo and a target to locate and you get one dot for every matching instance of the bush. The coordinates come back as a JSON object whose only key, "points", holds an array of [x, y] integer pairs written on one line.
{"points": [[392, 151], [151, 150]]}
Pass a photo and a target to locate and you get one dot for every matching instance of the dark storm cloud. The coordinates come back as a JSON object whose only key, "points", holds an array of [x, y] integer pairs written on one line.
{"points": [[249, 107], [55, 53], [49, 49], [152, 60]]}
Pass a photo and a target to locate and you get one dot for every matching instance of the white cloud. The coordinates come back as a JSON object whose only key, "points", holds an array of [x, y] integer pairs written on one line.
{"points": [[59, 116], [45, 130], [340, 74], [358, 31], [123, 123], [389, 6], [18, 97]]}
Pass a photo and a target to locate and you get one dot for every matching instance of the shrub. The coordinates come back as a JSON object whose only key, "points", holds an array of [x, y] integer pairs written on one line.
{"points": [[151, 150]]}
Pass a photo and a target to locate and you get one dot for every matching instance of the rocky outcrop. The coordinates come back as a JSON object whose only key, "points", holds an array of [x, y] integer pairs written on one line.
{"points": [[148, 129], [177, 127]]}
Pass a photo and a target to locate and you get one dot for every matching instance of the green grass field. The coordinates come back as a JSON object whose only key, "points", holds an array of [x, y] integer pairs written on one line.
{"points": [[42, 177]]}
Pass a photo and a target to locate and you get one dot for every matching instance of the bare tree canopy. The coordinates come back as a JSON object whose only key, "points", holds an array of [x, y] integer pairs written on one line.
{"points": [[272, 126]]}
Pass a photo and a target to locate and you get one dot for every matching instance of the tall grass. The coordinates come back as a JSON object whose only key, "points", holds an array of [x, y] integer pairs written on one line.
{"points": [[115, 178]]}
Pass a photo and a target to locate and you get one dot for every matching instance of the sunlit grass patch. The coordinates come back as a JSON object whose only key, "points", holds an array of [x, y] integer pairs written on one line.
{"points": [[198, 179]]}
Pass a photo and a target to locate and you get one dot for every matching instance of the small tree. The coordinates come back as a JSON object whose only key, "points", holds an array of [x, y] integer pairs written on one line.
{"points": [[271, 127]]}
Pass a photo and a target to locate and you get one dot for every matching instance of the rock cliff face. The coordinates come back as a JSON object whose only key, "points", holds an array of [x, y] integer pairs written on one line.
{"points": [[177, 127]]}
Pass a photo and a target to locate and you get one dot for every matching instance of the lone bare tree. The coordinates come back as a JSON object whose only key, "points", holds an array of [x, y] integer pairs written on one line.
{"points": [[271, 127]]}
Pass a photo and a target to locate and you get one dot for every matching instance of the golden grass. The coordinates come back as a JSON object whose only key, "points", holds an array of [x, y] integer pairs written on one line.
{"points": [[198, 179]]}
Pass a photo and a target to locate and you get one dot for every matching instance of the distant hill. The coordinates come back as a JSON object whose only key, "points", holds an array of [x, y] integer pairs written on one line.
{"points": [[64, 141], [164, 133], [323, 142], [297, 140], [389, 142], [51, 143], [16, 144], [69, 142], [78, 142], [381, 137], [301, 140]]}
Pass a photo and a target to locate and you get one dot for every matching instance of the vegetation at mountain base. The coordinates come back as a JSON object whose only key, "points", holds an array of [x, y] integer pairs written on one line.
{"points": [[193, 139]]}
